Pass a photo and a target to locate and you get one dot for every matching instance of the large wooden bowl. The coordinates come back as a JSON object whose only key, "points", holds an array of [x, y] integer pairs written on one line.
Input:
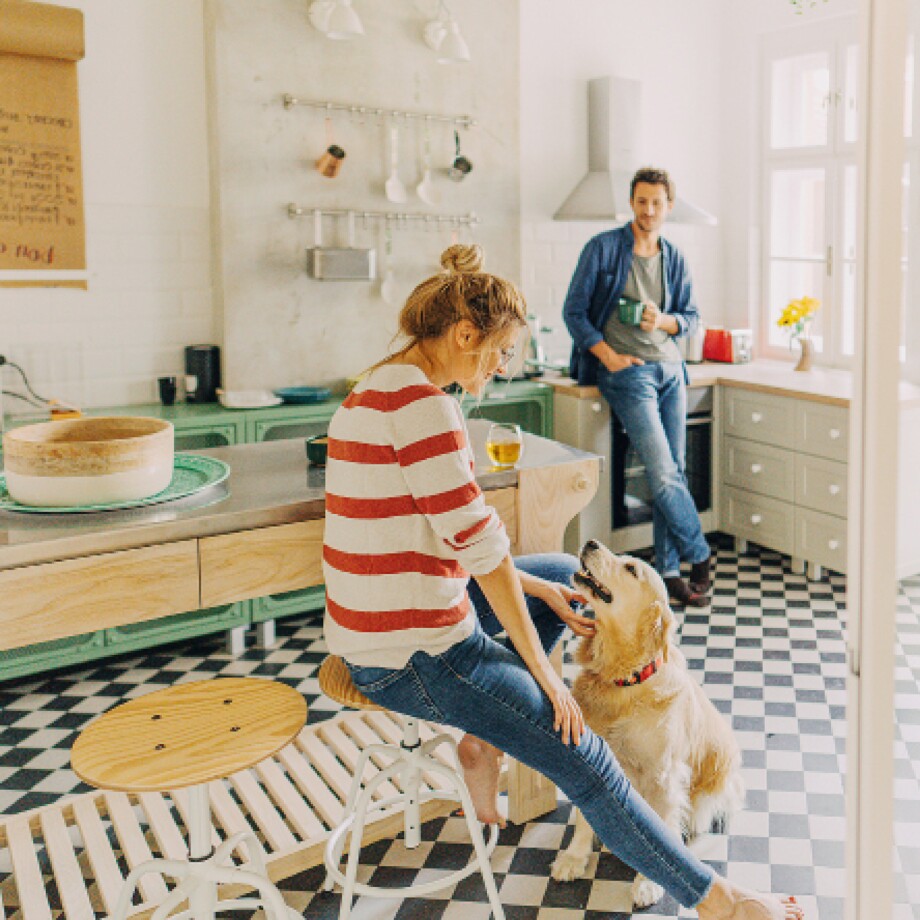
{"points": [[88, 461]]}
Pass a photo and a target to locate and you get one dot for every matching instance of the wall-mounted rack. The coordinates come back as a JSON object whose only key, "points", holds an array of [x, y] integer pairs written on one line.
{"points": [[397, 217], [460, 121]]}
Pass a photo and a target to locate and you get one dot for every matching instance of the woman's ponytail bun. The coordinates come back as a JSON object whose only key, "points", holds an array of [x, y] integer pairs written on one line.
{"points": [[462, 260]]}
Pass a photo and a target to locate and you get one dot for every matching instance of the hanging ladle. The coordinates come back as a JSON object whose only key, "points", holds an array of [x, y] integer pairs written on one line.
{"points": [[426, 189], [394, 189]]}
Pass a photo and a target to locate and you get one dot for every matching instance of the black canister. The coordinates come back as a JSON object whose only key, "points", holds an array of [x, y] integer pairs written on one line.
{"points": [[202, 373]]}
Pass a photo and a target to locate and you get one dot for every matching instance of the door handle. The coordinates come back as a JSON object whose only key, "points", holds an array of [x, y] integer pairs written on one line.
{"points": [[834, 489], [756, 468], [833, 544], [756, 417], [834, 434], [756, 519]]}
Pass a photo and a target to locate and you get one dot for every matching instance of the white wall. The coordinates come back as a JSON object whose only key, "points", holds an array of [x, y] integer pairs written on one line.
{"points": [[675, 49], [281, 326], [145, 171]]}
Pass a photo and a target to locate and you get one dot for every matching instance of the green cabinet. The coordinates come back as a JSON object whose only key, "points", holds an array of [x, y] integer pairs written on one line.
{"points": [[201, 426]]}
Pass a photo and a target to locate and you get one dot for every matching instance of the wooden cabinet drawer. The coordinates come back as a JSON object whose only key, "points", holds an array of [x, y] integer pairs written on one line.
{"points": [[759, 468], [821, 538], [763, 520], [821, 484], [276, 560], [252, 563], [40, 603], [759, 417], [822, 430]]}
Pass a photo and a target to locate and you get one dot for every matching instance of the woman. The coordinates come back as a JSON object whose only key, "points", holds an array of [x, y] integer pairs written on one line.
{"points": [[406, 527]]}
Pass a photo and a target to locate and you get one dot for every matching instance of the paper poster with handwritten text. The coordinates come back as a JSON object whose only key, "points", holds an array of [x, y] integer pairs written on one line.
{"points": [[41, 197]]}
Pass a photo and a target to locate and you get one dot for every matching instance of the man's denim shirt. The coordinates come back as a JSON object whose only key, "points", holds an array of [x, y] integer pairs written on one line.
{"points": [[599, 281]]}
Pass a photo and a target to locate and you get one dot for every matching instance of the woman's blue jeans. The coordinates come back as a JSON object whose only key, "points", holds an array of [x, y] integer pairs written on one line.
{"points": [[650, 400], [482, 686]]}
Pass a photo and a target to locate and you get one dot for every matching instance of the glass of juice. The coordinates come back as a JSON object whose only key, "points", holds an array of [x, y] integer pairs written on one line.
{"points": [[504, 444]]}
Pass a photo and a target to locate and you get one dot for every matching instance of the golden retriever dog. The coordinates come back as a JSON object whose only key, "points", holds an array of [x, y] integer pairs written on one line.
{"points": [[636, 692]]}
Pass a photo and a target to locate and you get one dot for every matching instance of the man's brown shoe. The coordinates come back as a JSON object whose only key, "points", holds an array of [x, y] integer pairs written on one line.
{"points": [[681, 594], [699, 576]]}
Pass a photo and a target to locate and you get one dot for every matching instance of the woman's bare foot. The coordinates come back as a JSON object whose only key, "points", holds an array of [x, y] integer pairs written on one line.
{"points": [[481, 764], [728, 902]]}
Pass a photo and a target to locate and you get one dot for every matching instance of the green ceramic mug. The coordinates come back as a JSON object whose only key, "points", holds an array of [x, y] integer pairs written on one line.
{"points": [[630, 311]]}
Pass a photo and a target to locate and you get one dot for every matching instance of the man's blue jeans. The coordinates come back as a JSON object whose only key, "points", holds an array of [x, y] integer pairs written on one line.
{"points": [[650, 400], [482, 686]]}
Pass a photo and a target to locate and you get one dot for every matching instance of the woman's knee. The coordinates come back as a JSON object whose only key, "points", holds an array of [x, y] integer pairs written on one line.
{"points": [[557, 567]]}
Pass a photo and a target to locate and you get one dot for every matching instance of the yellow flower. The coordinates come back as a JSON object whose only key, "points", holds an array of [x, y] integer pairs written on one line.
{"points": [[798, 312]]}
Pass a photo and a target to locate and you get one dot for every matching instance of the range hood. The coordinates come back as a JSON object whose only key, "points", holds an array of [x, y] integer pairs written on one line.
{"points": [[613, 123]]}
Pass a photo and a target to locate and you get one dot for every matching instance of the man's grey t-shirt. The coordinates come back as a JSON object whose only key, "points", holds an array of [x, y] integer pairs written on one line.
{"points": [[643, 283]]}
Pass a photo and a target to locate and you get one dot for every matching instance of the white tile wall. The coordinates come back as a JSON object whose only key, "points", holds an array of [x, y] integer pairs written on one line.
{"points": [[149, 294]]}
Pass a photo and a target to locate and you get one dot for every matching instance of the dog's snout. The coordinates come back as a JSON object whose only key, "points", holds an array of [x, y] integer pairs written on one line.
{"points": [[588, 550]]}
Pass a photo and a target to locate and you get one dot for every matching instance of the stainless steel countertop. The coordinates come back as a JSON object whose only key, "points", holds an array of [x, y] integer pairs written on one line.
{"points": [[270, 483]]}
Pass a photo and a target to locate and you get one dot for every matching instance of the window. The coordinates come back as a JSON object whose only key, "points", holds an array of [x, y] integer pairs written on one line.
{"points": [[810, 183], [811, 187]]}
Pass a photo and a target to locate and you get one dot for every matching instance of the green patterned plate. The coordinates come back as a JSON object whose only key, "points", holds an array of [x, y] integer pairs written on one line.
{"points": [[191, 473]]}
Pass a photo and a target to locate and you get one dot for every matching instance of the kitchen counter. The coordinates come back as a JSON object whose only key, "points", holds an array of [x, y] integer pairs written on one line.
{"points": [[270, 484], [830, 386], [262, 534]]}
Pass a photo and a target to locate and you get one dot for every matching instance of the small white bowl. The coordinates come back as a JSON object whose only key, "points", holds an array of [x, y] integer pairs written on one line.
{"points": [[248, 399]]}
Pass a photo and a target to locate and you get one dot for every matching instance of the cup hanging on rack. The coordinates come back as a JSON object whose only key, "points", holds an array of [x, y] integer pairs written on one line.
{"points": [[330, 161], [461, 166]]}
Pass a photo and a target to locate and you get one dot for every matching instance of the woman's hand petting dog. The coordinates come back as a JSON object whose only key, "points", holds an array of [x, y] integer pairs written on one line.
{"points": [[561, 599]]}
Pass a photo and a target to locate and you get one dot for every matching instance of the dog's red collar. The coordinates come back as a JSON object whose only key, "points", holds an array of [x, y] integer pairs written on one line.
{"points": [[638, 676]]}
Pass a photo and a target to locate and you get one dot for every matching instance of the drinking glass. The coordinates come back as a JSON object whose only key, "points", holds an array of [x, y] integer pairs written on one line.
{"points": [[504, 444]]}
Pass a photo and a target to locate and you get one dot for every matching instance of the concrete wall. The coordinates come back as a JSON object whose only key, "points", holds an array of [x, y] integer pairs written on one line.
{"points": [[145, 169], [282, 327]]}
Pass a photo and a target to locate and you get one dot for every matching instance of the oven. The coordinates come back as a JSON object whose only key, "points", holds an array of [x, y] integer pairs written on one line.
{"points": [[629, 490], [582, 418]]}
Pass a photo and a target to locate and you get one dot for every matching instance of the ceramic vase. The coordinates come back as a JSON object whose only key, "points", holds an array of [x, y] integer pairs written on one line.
{"points": [[808, 349]]}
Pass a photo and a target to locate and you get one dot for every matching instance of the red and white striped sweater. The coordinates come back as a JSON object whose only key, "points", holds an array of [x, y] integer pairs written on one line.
{"points": [[406, 523]]}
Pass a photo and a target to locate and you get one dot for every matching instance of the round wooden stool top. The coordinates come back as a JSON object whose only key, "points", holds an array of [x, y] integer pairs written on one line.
{"points": [[188, 734], [335, 681]]}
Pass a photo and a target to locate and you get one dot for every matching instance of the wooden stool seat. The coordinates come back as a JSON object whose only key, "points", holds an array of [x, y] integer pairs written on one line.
{"points": [[335, 681], [188, 734]]}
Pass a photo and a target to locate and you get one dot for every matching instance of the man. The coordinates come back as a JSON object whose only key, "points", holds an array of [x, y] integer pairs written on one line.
{"points": [[639, 369]]}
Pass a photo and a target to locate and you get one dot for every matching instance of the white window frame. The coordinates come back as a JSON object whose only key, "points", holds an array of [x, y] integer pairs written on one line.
{"points": [[832, 37]]}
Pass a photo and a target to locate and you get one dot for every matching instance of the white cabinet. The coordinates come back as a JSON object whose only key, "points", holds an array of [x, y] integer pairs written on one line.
{"points": [[783, 475]]}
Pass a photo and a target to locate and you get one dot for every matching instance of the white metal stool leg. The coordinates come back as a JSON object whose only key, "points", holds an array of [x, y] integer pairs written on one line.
{"points": [[206, 869], [411, 760]]}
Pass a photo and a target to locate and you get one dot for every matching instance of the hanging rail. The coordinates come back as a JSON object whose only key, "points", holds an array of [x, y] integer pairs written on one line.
{"points": [[461, 121], [459, 220]]}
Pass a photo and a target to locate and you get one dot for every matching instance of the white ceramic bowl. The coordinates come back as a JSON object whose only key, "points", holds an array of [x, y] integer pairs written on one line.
{"points": [[88, 461]]}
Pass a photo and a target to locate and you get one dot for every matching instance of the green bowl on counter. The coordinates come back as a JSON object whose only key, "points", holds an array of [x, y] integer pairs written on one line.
{"points": [[317, 449]]}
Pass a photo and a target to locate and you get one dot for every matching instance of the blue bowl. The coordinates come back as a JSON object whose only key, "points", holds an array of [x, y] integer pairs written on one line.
{"points": [[303, 395]]}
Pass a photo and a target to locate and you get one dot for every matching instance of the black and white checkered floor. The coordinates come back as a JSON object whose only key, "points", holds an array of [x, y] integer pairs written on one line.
{"points": [[770, 654]]}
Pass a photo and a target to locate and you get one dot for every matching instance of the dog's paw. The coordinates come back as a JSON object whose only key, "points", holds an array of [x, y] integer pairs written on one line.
{"points": [[568, 866], [645, 892]]}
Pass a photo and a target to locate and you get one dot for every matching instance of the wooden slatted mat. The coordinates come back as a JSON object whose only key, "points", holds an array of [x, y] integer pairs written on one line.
{"points": [[68, 860]]}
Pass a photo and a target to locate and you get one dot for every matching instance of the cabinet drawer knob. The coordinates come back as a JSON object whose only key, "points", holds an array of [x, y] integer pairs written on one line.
{"points": [[834, 434], [581, 483], [834, 489], [596, 407], [756, 518], [833, 544], [756, 417], [756, 468]]}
